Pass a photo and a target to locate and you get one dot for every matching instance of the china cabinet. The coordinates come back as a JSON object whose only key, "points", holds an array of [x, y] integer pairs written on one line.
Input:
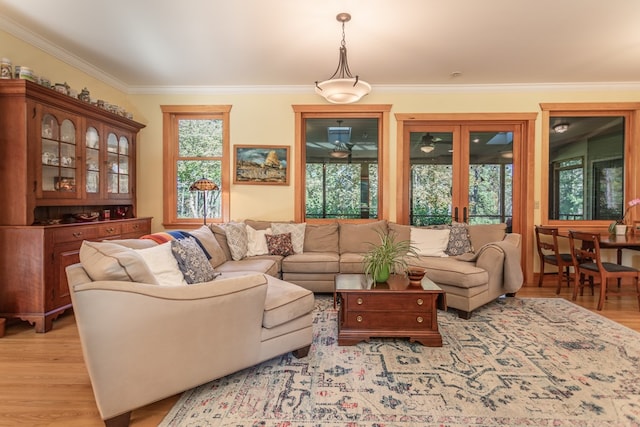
{"points": [[68, 172]]}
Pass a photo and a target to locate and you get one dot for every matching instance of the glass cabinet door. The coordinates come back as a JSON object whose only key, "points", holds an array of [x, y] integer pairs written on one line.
{"points": [[92, 155], [58, 157], [118, 163]]}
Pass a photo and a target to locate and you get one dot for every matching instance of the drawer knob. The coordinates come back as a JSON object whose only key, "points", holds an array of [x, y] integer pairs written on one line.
{"points": [[110, 230], [359, 301], [419, 301], [77, 234], [136, 226], [359, 319], [419, 319]]}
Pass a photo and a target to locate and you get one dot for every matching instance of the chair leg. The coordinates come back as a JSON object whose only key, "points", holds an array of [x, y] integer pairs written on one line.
{"points": [[603, 293], [559, 285], [638, 290], [576, 285], [541, 276]]}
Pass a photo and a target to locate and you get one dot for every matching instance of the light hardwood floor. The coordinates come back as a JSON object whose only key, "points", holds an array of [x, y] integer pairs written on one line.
{"points": [[43, 380]]}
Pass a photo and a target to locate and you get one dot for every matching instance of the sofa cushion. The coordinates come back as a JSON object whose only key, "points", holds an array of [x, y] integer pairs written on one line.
{"points": [[400, 231], [206, 237], [236, 233], [452, 272], [285, 302], [459, 242], [359, 238], [352, 263], [322, 238], [192, 261], [256, 241], [430, 242], [221, 238], [163, 265], [297, 233], [312, 262], [133, 243], [259, 265], [481, 234], [279, 244], [261, 224], [110, 261]]}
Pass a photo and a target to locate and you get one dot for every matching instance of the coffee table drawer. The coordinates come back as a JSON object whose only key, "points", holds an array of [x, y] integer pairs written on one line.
{"points": [[382, 320], [388, 301]]}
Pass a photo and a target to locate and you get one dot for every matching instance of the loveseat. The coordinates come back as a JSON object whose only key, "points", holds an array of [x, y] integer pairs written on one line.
{"points": [[146, 335], [473, 264]]}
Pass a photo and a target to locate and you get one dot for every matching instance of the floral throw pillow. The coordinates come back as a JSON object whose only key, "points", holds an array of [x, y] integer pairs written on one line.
{"points": [[279, 244], [192, 261]]}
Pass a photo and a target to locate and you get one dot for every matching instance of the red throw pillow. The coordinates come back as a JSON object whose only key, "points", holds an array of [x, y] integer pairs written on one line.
{"points": [[279, 244]]}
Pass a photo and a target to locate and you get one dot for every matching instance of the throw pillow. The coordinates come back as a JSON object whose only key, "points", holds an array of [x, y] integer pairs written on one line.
{"points": [[297, 233], [280, 244], [110, 261], [459, 242], [205, 235], [236, 233], [358, 238], [321, 238], [481, 234], [163, 265], [256, 241], [192, 261], [430, 242]]}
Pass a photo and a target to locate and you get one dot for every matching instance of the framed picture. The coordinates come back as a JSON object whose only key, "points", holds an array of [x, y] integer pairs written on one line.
{"points": [[261, 164]]}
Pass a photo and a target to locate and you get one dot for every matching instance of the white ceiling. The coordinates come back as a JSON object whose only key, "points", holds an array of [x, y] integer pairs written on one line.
{"points": [[289, 44]]}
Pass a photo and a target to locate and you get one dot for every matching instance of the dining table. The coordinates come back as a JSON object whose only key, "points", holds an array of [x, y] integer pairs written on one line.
{"points": [[620, 242]]}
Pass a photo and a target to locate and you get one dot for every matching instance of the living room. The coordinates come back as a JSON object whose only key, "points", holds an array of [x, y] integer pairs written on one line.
{"points": [[264, 115]]}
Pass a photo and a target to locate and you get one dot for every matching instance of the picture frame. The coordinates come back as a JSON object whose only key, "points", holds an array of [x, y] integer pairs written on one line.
{"points": [[261, 164]]}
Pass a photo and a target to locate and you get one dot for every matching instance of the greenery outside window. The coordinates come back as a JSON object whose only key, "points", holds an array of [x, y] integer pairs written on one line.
{"points": [[196, 145]]}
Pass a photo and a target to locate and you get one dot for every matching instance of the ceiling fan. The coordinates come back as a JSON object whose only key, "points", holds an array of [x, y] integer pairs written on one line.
{"points": [[428, 142], [340, 136]]}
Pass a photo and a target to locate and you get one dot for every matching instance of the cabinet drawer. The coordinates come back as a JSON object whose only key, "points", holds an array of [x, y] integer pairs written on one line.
{"points": [[135, 227], [388, 320], [109, 230], [72, 234], [386, 301]]}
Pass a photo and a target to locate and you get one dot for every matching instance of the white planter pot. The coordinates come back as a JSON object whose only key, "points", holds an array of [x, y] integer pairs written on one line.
{"points": [[621, 229]]}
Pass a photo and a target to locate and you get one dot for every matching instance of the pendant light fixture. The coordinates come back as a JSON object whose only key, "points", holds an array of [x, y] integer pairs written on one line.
{"points": [[342, 87]]}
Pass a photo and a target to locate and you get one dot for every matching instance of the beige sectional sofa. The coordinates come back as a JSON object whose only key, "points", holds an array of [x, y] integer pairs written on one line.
{"points": [[486, 268]]}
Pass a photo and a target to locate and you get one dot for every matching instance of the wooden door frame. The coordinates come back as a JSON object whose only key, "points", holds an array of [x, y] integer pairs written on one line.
{"points": [[523, 167]]}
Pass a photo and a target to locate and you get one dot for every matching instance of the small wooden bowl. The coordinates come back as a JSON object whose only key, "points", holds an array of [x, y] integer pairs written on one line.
{"points": [[416, 274]]}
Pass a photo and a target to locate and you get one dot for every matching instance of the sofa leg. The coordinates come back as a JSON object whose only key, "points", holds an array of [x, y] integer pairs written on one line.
{"points": [[466, 315], [119, 421], [301, 352]]}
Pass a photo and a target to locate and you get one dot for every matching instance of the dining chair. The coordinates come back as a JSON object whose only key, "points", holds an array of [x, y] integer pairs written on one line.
{"points": [[587, 260], [549, 252]]}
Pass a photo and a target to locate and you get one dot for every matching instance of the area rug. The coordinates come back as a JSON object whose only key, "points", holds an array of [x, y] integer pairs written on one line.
{"points": [[516, 362]]}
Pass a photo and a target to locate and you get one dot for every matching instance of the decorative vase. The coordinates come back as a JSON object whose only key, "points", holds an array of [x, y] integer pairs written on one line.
{"points": [[383, 274], [416, 274], [621, 229]]}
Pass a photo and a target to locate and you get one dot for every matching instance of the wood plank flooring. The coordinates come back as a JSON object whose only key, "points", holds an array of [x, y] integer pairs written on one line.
{"points": [[44, 382]]}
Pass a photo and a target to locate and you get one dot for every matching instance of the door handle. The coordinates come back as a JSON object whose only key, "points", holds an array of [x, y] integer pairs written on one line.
{"points": [[455, 214], [464, 215]]}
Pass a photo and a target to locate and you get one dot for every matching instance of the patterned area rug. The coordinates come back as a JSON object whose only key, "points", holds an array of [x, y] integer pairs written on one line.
{"points": [[516, 362]]}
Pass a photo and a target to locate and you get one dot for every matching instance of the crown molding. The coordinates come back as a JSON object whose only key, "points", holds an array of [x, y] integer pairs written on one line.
{"points": [[57, 52]]}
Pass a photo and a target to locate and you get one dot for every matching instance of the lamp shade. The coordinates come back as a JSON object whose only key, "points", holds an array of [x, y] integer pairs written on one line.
{"points": [[203, 184], [343, 91]]}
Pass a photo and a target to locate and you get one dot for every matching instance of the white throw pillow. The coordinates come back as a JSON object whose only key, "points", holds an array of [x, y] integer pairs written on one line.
{"points": [[430, 242], [110, 261], [256, 241], [163, 265], [297, 231]]}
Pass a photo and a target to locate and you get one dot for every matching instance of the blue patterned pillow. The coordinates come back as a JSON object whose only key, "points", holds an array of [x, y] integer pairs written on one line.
{"points": [[192, 261]]}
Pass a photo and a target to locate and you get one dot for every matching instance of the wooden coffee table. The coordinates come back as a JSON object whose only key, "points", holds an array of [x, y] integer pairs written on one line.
{"points": [[390, 309]]}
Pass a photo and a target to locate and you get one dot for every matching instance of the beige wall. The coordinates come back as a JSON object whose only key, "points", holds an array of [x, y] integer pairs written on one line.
{"points": [[267, 119]]}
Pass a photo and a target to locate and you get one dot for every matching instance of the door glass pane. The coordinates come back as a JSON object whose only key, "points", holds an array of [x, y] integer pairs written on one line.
{"points": [[431, 178], [490, 178], [92, 141], [341, 168], [586, 167]]}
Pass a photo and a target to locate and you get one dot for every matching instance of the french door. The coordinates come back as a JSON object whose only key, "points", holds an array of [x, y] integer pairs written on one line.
{"points": [[467, 169]]}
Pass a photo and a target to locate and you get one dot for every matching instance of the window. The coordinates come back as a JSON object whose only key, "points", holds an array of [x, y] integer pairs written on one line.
{"points": [[340, 158], [588, 159], [196, 145]]}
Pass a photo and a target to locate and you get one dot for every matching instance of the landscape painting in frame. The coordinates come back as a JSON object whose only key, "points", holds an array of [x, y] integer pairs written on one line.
{"points": [[255, 164]]}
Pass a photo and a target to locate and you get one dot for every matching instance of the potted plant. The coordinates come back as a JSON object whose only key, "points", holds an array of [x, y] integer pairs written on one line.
{"points": [[389, 256], [619, 226]]}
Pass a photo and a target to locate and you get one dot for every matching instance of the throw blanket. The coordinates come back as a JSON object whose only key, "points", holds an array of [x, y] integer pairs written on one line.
{"points": [[167, 236], [512, 271]]}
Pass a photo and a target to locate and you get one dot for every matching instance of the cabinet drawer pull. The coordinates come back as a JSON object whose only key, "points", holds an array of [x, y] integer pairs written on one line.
{"points": [[420, 301], [110, 230], [136, 226], [359, 319], [419, 319], [77, 234], [359, 301]]}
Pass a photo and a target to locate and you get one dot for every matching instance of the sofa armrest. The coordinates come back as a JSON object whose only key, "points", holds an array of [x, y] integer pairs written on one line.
{"points": [[513, 238], [142, 343]]}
